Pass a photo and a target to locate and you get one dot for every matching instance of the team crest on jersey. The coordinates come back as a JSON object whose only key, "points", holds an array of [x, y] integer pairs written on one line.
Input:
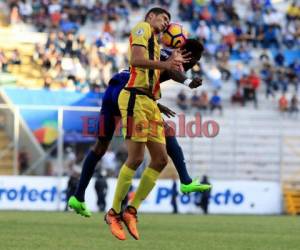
{"points": [[139, 32]]}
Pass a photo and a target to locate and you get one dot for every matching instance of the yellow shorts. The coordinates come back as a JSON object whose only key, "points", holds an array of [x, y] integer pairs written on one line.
{"points": [[141, 118]]}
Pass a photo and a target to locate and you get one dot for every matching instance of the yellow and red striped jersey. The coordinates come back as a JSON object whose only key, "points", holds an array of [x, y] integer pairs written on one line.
{"points": [[143, 35]]}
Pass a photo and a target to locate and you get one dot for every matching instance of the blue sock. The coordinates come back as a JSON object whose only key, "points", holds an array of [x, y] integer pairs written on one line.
{"points": [[87, 172], [176, 154]]}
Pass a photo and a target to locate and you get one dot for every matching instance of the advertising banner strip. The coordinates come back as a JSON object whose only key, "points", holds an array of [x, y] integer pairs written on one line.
{"points": [[227, 197]]}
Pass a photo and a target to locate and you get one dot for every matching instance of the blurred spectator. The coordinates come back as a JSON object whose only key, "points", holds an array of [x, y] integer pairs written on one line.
{"points": [[268, 76], [15, 58], [295, 67], [283, 103], [203, 32], [204, 198], [68, 26], [70, 160], [223, 64], [74, 176], [244, 53], [237, 73], [107, 28], [174, 194], [294, 105], [98, 11], [47, 83], [270, 38], [237, 96], [215, 102], [3, 61], [49, 170], [279, 59], [14, 15], [254, 83], [195, 100], [228, 35], [282, 81], [182, 100], [101, 190], [205, 15], [40, 20], [204, 101], [264, 57], [109, 163], [292, 12], [196, 70], [215, 76], [25, 9], [23, 160]]}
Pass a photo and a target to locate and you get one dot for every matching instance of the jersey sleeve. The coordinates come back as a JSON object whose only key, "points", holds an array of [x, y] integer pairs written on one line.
{"points": [[165, 54], [140, 34]]}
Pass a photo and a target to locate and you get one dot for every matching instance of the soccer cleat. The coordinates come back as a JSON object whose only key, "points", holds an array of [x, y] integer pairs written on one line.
{"points": [[113, 219], [129, 217], [79, 207], [194, 186]]}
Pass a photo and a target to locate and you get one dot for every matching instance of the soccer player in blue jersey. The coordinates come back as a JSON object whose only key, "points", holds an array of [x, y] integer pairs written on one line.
{"points": [[107, 122]]}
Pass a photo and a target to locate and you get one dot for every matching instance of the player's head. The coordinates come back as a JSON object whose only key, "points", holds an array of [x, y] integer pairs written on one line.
{"points": [[158, 18], [196, 49]]}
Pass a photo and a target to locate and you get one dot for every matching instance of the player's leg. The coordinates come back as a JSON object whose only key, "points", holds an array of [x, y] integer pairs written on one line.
{"points": [[159, 159], [107, 124], [76, 201], [175, 152], [131, 107], [136, 152]]}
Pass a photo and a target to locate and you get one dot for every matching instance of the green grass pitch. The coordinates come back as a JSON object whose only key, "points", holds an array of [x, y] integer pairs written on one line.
{"points": [[63, 231]]}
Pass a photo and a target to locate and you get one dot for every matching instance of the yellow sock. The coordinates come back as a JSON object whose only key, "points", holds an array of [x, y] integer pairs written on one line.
{"points": [[123, 184], [147, 182]]}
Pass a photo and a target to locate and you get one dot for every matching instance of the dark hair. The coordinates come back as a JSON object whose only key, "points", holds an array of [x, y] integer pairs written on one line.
{"points": [[196, 48], [157, 11]]}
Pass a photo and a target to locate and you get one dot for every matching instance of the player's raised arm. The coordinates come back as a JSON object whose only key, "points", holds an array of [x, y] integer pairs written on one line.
{"points": [[143, 44], [180, 77], [191, 53], [138, 59]]}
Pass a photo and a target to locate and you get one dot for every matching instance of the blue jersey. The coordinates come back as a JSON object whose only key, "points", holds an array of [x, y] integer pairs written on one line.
{"points": [[110, 109], [119, 80]]}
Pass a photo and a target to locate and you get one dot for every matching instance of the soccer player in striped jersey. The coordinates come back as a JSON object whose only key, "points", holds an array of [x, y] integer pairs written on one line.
{"points": [[110, 111], [108, 122]]}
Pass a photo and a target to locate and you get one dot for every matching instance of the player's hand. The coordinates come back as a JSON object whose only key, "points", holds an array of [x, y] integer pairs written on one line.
{"points": [[197, 81], [182, 55], [175, 61], [186, 55], [173, 64], [166, 111]]}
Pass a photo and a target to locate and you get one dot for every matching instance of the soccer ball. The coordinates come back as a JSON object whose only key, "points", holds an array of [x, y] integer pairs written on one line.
{"points": [[174, 36]]}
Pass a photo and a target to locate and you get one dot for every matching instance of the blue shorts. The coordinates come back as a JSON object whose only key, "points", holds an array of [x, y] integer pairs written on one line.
{"points": [[110, 114]]}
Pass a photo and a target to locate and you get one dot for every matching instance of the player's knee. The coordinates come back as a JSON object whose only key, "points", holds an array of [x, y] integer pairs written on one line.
{"points": [[100, 148], [161, 161], [135, 162]]}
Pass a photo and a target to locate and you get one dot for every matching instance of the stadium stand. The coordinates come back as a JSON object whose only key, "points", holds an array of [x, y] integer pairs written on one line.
{"points": [[255, 142]]}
